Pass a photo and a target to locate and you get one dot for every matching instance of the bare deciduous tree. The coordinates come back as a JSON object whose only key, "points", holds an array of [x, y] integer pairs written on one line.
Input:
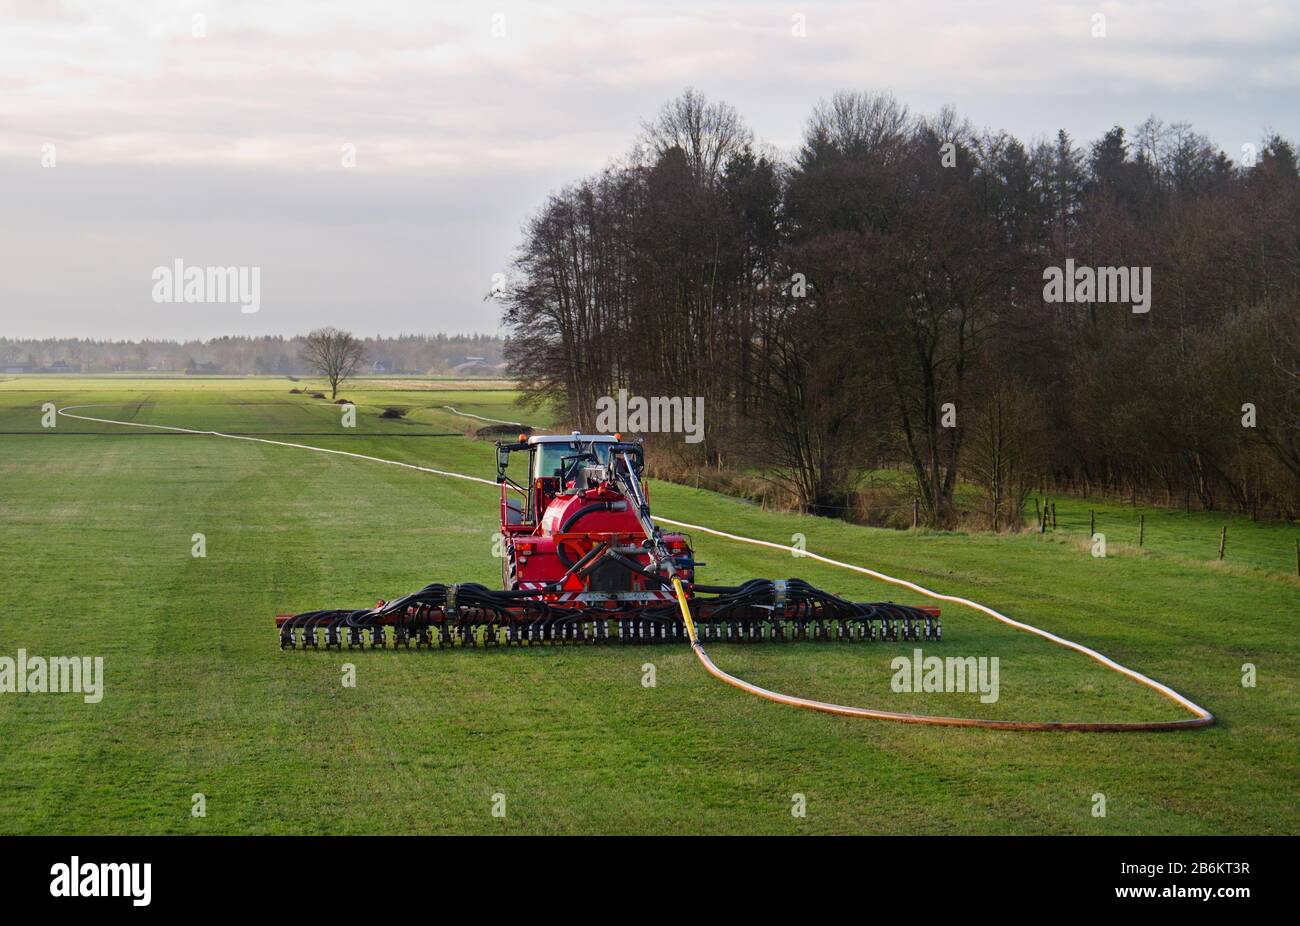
{"points": [[1005, 447], [857, 122], [709, 134], [334, 354]]}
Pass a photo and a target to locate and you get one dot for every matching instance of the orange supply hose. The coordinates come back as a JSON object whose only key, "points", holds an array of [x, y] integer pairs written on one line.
{"points": [[1203, 719]]}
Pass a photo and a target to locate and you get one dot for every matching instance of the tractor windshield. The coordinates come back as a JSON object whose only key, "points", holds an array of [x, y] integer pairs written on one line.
{"points": [[549, 456]]}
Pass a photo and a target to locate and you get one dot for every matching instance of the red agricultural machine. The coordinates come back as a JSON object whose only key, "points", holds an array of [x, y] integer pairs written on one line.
{"points": [[584, 563]]}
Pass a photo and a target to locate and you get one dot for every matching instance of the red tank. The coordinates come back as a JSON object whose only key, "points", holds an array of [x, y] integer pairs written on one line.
{"points": [[583, 515]]}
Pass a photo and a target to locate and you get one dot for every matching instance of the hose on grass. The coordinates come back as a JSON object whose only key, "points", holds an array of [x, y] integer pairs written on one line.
{"points": [[1203, 717]]}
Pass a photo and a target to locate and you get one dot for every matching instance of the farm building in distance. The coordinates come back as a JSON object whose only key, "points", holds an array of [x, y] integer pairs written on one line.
{"points": [[477, 366]]}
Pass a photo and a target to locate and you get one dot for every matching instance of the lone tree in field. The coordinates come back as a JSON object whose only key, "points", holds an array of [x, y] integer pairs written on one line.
{"points": [[334, 354]]}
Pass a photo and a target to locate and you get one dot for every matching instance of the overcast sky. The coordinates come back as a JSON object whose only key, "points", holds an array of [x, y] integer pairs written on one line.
{"points": [[227, 147]]}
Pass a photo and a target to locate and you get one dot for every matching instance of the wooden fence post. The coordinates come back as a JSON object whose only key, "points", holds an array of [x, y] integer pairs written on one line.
{"points": [[1053, 515], [1142, 529], [1223, 540], [1092, 524]]}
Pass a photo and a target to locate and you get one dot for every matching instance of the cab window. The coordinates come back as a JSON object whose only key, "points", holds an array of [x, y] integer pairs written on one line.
{"points": [[549, 457]]}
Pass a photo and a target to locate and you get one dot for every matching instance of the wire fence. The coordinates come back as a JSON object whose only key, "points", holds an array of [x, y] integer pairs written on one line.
{"points": [[1273, 545]]}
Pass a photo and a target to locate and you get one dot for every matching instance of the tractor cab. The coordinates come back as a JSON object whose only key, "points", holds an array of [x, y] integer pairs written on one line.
{"points": [[563, 459], [558, 464]]}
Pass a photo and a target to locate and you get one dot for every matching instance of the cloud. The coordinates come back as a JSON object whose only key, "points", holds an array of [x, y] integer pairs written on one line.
{"points": [[222, 139], [431, 87]]}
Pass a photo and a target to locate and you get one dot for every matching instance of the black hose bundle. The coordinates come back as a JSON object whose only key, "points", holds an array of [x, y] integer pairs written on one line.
{"points": [[463, 608]]}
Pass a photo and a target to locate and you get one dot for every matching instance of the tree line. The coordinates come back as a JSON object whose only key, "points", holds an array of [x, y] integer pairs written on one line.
{"points": [[412, 354], [876, 299]]}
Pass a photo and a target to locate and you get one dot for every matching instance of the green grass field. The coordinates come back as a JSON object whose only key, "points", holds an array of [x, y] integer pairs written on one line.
{"points": [[96, 524]]}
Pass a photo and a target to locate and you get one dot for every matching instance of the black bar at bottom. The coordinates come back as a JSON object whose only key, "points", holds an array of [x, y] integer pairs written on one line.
{"points": [[216, 874]]}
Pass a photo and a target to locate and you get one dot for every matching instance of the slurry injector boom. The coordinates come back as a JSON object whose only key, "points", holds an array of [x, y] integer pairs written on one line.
{"points": [[584, 563]]}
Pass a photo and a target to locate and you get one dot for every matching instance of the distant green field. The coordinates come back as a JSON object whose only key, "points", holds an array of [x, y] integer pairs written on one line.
{"points": [[96, 526]]}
